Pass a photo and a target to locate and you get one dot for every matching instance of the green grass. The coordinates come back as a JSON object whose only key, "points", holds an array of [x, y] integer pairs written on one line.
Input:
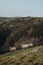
{"points": [[18, 57]]}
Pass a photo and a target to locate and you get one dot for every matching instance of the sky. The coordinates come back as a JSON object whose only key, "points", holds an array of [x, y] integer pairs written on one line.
{"points": [[21, 8]]}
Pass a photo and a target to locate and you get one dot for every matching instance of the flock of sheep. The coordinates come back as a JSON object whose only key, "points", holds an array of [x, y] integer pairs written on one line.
{"points": [[23, 46]]}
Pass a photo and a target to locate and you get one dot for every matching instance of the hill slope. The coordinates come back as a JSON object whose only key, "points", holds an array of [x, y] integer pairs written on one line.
{"points": [[15, 31], [32, 56]]}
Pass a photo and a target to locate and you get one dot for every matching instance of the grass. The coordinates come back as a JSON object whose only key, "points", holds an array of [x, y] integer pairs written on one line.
{"points": [[22, 57]]}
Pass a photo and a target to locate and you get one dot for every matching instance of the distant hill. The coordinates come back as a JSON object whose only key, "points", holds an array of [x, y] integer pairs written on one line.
{"points": [[17, 30]]}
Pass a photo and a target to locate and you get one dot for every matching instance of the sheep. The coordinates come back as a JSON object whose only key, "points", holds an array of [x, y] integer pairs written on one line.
{"points": [[27, 45], [12, 48]]}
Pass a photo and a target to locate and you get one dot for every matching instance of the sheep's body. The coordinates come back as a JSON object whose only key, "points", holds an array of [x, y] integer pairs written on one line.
{"points": [[12, 48], [27, 45]]}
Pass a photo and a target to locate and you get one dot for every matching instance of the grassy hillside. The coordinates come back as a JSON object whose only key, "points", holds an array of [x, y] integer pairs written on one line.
{"points": [[18, 30], [30, 56]]}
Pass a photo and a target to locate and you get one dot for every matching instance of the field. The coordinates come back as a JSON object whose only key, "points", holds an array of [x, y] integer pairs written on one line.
{"points": [[29, 56]]}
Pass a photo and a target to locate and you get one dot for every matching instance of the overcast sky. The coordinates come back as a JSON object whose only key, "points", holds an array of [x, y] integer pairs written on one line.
{"points": [[17, 8]]}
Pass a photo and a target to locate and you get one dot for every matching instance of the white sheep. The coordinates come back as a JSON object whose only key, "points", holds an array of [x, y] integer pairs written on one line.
{"points": [[12, 48], [27, 45]]}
